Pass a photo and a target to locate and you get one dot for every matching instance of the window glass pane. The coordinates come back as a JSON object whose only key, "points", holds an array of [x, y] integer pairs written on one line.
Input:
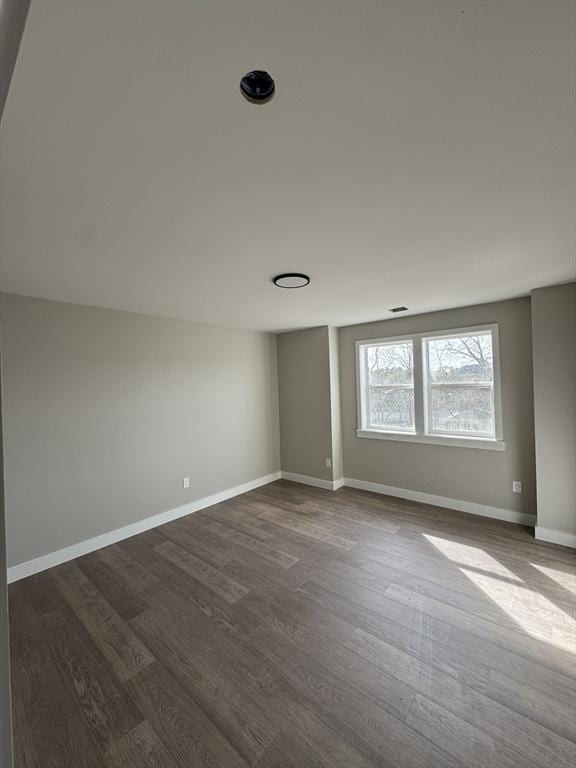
{"points": [[391, 408], [464, 359], [464, 409], [390, 363]]}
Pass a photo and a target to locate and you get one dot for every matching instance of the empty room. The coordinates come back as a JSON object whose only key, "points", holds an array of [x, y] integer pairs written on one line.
{"points": [[288, 384]]}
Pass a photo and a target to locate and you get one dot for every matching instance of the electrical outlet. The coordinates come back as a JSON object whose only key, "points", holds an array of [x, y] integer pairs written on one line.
{"points": [[516, 486], [328, 462], [186, 482]]}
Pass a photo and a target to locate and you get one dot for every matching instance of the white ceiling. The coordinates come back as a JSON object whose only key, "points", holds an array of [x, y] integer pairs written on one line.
{"points": [[416, 153]]}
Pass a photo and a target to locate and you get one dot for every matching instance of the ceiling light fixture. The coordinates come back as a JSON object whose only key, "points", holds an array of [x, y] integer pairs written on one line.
{"points": [[291, 280], [257, 86]]}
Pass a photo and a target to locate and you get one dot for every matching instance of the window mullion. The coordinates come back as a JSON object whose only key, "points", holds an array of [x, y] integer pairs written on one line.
{"points": [[419, 385]]}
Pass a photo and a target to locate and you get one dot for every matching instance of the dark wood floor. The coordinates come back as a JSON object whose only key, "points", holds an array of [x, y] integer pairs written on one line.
{"points": [[292, 628]]}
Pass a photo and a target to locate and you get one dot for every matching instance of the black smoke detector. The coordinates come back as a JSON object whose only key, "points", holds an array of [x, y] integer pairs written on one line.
{"points": [[257, 86]]}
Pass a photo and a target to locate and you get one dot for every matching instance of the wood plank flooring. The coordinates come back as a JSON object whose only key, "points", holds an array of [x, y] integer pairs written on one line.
{"points": [[298, 628]]}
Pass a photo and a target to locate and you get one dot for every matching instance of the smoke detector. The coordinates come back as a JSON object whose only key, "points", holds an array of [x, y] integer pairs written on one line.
{"points": [[257, 86]]}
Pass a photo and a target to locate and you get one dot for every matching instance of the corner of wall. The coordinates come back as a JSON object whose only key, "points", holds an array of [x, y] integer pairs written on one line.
{"points": [[335, 407], [275, 402], [309, 405], [554, 373]]}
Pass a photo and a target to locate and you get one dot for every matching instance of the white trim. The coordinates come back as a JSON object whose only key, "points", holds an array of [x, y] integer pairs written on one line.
{"points": [[470, 507], [317, 482], [455, 441], [21, 571], [555, 537]]}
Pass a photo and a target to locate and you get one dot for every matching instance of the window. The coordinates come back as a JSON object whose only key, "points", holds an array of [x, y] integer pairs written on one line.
{"points": [[388, 375], [460, 378], [440, 387]]}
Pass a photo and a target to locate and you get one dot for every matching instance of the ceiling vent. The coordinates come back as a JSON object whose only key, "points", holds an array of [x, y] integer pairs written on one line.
{"points": [[398, 309]]}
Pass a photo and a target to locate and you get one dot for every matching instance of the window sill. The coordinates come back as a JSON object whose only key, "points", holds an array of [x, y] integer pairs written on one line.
{"points": [[453, 441]]}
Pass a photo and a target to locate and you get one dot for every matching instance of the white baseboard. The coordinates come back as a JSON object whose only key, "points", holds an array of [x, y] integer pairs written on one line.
{"points": [[471, 507], [440, 501], [555, 537], [21, 571], [17, 572], [317, 482]]}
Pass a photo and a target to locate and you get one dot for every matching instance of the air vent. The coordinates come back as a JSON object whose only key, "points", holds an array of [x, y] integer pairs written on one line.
{"points": [[398, 309]]}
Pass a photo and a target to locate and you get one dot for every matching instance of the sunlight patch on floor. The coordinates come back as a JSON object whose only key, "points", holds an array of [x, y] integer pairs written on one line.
{"points": [[564, 578], [533, 612], [475, 557]]}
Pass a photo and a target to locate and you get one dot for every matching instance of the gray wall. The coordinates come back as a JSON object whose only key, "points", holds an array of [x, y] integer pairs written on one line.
{"points": [[13, 15], [467, 474], [305, 404], [105, 412], [309, 394], [5, 708], [554, 350]]}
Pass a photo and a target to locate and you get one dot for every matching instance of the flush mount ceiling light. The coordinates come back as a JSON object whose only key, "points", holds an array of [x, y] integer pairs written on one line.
{"points": [[291, 280], [257, 86]]}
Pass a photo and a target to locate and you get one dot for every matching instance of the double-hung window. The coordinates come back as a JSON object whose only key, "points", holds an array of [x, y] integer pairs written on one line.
{"points": [[440, 387], [387, 375]]}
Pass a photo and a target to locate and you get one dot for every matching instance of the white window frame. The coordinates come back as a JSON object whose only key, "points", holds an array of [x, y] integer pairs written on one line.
{"points": [[422, 433], [362, 375]]}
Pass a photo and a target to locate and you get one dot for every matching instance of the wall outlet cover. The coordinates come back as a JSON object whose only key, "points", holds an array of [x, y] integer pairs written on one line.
{"points": [[516, 486], [186, 482]]}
